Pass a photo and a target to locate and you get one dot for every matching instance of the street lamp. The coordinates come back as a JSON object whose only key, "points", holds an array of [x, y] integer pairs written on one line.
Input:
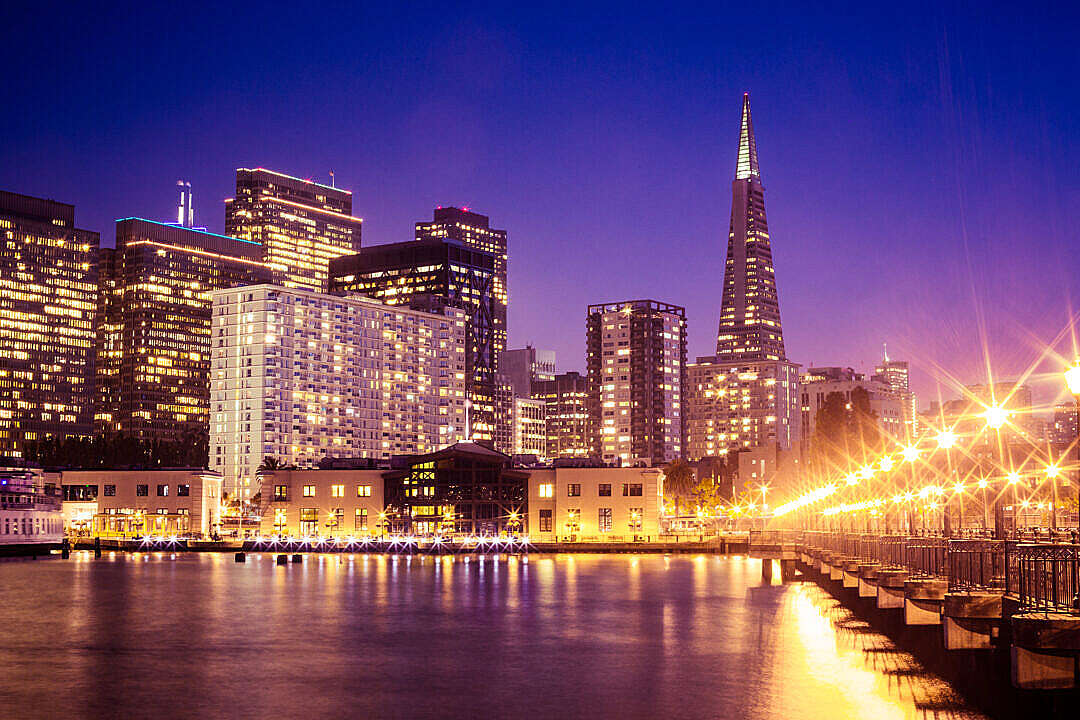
{"points": [[946, 440], [910, 455], [1072, 379], [1014, 479], [1052, 472]]}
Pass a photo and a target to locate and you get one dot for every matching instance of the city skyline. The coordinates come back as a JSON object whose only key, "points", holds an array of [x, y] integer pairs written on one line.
{"points": [[854, 234]]}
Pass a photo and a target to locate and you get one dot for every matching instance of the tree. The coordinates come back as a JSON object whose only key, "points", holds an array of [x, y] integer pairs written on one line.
{"points": [[678, 482], [270, 464]]}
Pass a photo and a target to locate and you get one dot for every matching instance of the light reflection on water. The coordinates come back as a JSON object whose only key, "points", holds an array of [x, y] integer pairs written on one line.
{"points": [[399, 636]]}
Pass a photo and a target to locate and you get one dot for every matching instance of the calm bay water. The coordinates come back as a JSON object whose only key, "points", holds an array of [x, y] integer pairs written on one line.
{"points": [[357, 636]]}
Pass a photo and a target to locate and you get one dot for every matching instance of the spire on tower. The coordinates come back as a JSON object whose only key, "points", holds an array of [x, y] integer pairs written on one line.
{"points": [[885, 348], [747, 165]]}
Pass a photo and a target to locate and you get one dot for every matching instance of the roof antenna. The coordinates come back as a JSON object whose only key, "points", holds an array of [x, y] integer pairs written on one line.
{"points": [[332, 179]]}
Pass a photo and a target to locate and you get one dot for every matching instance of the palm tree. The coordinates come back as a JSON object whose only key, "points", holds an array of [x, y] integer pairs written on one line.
{"points": [[269, 464], [678, 482]]}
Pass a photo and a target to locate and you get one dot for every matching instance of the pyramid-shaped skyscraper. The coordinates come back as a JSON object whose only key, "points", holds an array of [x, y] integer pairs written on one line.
{"points": [[746, 396]]}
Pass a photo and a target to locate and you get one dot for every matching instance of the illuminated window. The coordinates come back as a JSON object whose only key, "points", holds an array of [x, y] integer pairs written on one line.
{"points": [[163, 490], [337, 491], [363, 491], [547, 490], [281, 493], [360, 523], [309, 491], [603, 520]]}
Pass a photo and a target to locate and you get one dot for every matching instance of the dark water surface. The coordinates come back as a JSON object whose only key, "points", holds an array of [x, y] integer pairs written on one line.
{"points": [[358, 636]]}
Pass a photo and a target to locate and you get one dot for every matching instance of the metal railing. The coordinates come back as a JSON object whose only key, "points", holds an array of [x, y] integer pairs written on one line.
{"points": [[976, 565], [1047, 577], [927, 556]]}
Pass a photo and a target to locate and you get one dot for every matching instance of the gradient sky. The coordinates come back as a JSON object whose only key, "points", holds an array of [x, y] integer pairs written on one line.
{"points": [[921, 163]]}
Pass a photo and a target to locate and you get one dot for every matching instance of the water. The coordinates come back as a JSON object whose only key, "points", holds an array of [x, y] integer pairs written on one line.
{"points": [[567, 636]]}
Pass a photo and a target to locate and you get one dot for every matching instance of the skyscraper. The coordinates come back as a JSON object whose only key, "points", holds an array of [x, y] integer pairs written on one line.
{"points": [[429, 275], [524, 367], [896, 375], [567, 415], [747, 395], [636, 356], [473, 230], [300, 225], [153, 339], [750, 313], [48, 296]]}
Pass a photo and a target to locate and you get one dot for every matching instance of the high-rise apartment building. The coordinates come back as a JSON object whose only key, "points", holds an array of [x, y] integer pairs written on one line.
{"points": [[299, 376], [566, 409], [739, 406], [299, 224], [524, 367], [896, 375], [530, 428], [153, 340], [430, 274], [48, 297], [636, 355], [474, 230], [747, 395]]}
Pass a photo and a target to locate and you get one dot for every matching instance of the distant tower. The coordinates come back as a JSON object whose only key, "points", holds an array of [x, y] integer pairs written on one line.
{"points": [[185, 213]]}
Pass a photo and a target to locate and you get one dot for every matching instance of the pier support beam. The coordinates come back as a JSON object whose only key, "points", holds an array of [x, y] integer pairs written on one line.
{"points": [[766, 569], [923, 601], [851, 573], [1045, 650], [890, 591], [868, 573], [971, 620]]}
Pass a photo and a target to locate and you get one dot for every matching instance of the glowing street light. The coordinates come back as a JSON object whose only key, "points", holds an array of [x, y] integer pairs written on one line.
{"points": [[910, 453], [946, 439], [1072, 380], [996, 416]]}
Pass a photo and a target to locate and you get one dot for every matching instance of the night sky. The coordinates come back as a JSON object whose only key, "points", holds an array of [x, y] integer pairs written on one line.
{"points": [[921, 163]]}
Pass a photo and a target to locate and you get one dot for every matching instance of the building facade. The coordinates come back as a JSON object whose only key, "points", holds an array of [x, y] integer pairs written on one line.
{"points": [[131, 503], [299, 224], [737, 406], [566, 410], [595, 504], [299, 376], [896, 375], [153, 339], [636, 355], [323, 503], [747, 395], [48, 298], [524, 367], [431, 274], [529, 422], [463, 489], [473, 230], [1063, 428]]}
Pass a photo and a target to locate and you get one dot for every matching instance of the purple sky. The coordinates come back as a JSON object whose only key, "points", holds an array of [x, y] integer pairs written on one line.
{"points": [[920, 162]]}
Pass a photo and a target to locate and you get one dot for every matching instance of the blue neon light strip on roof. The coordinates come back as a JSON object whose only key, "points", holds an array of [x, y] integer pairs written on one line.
{"points": [[181, 227]]}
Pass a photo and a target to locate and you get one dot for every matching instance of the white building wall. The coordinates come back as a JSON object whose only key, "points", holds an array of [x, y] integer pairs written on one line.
{"points": [[299, 376]]}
